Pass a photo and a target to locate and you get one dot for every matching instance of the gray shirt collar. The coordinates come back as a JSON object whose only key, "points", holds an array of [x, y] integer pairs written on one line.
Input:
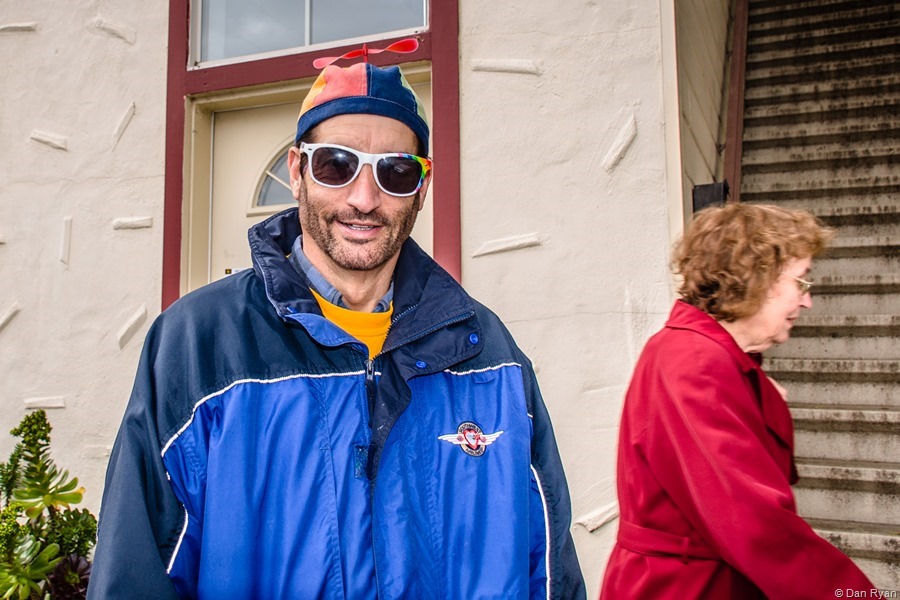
{"points": [[321, 285]]}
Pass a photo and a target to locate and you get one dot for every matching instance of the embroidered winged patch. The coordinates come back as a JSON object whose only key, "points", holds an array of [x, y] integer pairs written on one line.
{"points": [[470, 438]]}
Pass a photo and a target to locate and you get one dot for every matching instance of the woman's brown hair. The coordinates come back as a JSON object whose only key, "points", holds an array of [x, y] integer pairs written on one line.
{"points": [[730, 256]]}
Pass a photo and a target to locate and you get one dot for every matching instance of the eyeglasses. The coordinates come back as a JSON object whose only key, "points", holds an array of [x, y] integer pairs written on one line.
{"points": [[803, 285], [396, 173]]}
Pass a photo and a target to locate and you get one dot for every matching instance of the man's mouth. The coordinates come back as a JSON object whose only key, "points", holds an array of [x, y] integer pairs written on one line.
{"points": [[359, 222]]}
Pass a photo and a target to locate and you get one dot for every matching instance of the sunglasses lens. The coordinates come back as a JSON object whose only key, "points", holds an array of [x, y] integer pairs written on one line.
{"points": [[399, 175], [333, 166]]}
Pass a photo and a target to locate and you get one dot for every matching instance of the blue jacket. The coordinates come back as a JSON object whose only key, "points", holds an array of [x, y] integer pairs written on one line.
{"points": [[263, 455]]}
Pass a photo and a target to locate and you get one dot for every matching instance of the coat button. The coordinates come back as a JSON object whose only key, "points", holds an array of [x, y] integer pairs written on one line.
{"points": [[421, 364], [473, 338]]}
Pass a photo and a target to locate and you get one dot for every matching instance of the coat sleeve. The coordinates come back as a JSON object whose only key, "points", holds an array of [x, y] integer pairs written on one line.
{"points": [[566, 580], [706, 449], [140, 517]]}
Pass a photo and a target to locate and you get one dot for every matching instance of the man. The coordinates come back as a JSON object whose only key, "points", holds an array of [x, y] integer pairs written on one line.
{"points": [[343, 420]]}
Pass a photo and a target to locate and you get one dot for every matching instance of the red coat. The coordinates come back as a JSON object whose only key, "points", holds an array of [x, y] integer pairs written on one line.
{"points": [[704, 472]]}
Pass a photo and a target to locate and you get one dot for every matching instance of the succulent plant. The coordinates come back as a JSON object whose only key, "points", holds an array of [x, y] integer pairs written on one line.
{"points": [[69, 580], [44, 543]]}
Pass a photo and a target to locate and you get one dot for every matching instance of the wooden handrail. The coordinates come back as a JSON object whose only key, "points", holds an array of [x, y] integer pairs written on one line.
{"points": [[734, 130]]}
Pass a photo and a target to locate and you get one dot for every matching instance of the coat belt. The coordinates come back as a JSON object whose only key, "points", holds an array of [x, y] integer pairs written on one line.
{"points": [[660, 543]]}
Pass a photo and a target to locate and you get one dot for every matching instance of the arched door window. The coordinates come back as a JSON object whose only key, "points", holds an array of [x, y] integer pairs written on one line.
{"points": [[274, 189]]}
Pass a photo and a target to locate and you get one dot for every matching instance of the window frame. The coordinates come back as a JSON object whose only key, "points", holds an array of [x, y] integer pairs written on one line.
{"points": [[438, 45], [195, 29], [254, 208]]}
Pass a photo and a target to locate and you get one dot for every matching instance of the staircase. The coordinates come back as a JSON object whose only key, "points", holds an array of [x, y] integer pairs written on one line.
{"points": [[822, 133]]}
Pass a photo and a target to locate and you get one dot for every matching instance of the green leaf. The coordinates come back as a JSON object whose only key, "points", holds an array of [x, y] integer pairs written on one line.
{"points": [[68, 487], [27, 494]]}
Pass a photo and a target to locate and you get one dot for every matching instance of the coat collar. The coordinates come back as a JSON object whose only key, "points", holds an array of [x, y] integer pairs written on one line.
{"points": [[685, 316], [775, 412], [418, 281]]}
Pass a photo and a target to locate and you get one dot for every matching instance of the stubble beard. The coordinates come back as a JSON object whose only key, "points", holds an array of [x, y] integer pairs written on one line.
{"points": [[317, 222]]}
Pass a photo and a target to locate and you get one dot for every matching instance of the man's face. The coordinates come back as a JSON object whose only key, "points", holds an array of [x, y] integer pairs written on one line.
{"points": [[357, 227]]}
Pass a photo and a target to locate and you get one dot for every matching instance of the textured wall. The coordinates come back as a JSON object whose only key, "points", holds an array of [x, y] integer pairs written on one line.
{"points": [[565, 222], [81, 196]]}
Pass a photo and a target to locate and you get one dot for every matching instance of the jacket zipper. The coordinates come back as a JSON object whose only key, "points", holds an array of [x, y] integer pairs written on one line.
{"points": [[370, 396], [370, 389]]}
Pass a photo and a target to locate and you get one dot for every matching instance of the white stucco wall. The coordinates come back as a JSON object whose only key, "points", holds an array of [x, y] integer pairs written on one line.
{"points": [[81, 200], [564, 153]]}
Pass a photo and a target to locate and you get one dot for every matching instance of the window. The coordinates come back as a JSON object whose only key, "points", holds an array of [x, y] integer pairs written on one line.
{"points": [[275, 187], [231, 29]]}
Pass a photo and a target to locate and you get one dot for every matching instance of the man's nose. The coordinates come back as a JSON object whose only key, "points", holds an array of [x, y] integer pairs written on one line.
{"points": [[364, 193]]}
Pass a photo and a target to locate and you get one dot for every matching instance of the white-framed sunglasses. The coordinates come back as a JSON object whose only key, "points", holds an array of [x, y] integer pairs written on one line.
{"points": [[396, 173]]}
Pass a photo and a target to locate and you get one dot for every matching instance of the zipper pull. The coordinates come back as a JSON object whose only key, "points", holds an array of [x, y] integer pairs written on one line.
{"points": [[370, 397], [370, 388]]}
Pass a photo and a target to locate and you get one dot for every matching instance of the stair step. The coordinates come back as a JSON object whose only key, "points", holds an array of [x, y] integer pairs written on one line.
{"points": [[863, 66], [872, 275], [846, 432], [776, 7], [809, 325], [852, 129], [864, 209], [848, 490], [878, 161], [821, 56], [847, 36], [813, 20], [823, 180], [858, 284], [885, 476], [798, 91], [874, 547], [849, 417], [862, 393], [823, 110], [837, 45], [864, 246], [838, 347], [855, 299], [877, 151], [844, 199], [835, 370]]}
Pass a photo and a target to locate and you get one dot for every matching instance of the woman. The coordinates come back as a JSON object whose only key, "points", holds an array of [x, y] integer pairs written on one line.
{"points": [[706, 441]]}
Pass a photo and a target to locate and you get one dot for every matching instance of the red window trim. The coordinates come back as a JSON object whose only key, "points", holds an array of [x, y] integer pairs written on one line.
{"points": [[440, 45]]}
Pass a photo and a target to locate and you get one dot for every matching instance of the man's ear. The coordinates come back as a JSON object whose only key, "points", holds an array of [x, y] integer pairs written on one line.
{"points": [[295, 160]]}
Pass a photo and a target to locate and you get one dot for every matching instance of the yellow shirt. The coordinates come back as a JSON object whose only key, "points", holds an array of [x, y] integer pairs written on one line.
{"points": [[369, 328]]}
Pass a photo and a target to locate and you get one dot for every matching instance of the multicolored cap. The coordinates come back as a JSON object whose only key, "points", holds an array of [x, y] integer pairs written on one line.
{"points": [[363, 88]]}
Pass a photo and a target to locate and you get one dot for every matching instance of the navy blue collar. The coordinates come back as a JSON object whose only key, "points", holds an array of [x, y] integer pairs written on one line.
{"points": [[322, 286], [418, 281]]}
